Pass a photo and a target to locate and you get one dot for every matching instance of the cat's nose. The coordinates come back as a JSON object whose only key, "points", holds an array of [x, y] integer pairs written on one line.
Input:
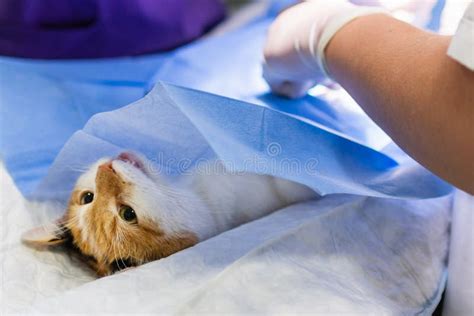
{"points": [[107, 167]]}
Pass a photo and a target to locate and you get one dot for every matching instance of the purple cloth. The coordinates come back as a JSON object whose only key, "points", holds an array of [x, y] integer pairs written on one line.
{"points": [[102, 28]]}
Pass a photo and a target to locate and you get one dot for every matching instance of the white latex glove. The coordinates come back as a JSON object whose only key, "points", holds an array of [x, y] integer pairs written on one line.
{"points": [[367, 2], [294, 49]]}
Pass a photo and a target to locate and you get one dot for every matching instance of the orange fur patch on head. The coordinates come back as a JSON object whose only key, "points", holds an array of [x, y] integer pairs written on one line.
{"points": [[102, 235]]}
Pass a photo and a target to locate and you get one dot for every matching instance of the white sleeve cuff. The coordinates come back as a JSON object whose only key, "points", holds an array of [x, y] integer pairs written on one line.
{"points": [[335, 25], [462, 45]]}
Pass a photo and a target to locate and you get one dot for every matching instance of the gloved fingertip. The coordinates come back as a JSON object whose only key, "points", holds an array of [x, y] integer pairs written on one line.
{"points": [[289, 89]]}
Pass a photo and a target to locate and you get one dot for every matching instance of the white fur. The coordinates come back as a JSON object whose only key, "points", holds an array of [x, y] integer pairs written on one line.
{"points": [[206, 201]]}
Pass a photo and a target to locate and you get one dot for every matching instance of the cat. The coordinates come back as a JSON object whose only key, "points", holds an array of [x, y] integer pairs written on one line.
{"points": [[122, 213]]}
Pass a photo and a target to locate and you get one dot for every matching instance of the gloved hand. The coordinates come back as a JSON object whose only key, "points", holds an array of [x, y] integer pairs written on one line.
{"points": [[367, 2], [294, 49]]}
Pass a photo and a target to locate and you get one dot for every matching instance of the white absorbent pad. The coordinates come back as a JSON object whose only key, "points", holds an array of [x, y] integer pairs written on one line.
{"points": [[340, 254]]}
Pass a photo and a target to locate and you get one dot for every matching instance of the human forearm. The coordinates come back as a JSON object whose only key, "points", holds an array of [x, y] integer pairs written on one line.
{"points": [[403, 79]]}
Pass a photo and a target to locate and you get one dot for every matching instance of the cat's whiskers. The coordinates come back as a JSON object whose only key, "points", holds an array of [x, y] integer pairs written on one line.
{"points": [[115, 256], [70, 222], [106, 254], [120, 246], [77, 169], [72, 219], [59, 227], [119, 242], [172, 191], [180, 195]]}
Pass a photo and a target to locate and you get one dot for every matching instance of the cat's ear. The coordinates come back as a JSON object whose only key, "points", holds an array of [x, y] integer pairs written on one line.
{"points": [[52, 234]]}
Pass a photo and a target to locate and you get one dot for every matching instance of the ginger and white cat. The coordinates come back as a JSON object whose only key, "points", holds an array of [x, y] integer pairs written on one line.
{"points": [[122, 214]]}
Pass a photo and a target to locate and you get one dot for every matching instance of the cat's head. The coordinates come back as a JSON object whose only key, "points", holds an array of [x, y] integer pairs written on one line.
{"points": [[116, 217]]}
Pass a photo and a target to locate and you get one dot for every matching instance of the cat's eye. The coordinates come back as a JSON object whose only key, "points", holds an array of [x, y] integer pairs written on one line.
{"points": [[87, 197], [128, 214]]}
